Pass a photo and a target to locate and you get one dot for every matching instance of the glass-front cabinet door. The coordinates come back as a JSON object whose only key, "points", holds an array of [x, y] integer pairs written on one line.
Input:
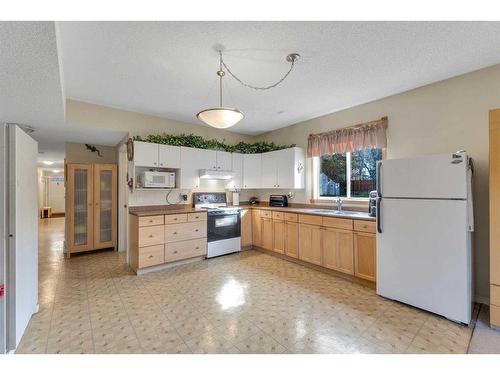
{"points": [[80, 211], [104, 205]]}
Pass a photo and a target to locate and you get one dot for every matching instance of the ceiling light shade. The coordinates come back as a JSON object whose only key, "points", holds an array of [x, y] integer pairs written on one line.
{"points": [[48, 162], [220, 117]]}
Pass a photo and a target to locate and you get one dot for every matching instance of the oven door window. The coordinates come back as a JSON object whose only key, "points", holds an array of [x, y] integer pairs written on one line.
{"points": [[223, 227]]}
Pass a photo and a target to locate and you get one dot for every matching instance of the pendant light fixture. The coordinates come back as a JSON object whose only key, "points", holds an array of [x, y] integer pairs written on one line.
{"points": [[224, 117], [220, 117]]}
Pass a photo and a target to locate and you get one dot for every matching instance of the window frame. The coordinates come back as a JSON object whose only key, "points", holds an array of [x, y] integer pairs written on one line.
{"points": [[316, 166]]}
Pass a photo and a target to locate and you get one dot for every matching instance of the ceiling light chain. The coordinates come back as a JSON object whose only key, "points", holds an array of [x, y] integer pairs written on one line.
{"points": [[291, 58]]}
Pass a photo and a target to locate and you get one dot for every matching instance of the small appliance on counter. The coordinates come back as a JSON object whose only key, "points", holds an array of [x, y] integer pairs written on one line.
{"points": [[278, 201], [372, 203], [253, 200], [236, 198]]}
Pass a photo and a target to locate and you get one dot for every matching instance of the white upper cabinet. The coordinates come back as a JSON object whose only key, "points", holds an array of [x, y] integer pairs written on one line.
{"points": [[269, 170], [145, 154], [192, 160], [283, 169], [237, 167], [252, 171], [169, 156], [224, 160]]}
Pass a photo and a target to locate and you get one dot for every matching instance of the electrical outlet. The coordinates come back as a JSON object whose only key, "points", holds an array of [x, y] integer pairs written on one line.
{"points": [[184, 197]]}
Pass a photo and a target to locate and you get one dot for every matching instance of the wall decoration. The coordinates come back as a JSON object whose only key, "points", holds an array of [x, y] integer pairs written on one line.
{"points": [[93, 149], [196, 141]]}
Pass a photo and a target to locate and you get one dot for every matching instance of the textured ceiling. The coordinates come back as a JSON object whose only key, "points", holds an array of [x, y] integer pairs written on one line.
{"points": [[168, 68], [31, 90]]}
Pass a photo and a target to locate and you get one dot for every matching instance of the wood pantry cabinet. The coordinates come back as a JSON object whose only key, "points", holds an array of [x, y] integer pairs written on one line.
{"points": [[160, 239], [91, 207]]}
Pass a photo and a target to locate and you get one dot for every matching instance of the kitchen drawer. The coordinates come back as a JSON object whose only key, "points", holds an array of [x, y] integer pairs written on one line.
{"points": [[151, 256], [337, 222], [174, 219], [185, 231], [495, 295], [364, 226], [151, 235], [266, 213], [291, 217], [197, 216], [147, 221], [311, 219], [185, 249], [277, 215]]}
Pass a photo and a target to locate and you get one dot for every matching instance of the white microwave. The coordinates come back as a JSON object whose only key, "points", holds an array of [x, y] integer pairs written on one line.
{"points": [[152, 179]]}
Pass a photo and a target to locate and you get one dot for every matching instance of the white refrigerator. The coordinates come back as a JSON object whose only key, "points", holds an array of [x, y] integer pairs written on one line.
{"points": [[18, 233], [424, 225]]}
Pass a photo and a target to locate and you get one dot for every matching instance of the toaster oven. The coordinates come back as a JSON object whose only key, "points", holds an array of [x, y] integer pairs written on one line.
{"points": [[152, 179]]}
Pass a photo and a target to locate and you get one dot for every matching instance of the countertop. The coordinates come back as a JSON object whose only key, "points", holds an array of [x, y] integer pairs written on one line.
{"points": [[163, 210], [182, 209]]}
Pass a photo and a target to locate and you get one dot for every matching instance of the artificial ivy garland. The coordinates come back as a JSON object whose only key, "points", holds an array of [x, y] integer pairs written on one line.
{"points": [[197, 141]]}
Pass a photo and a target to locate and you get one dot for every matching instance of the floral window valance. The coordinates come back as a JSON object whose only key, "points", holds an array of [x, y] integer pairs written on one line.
{"points": [[354, 138]]}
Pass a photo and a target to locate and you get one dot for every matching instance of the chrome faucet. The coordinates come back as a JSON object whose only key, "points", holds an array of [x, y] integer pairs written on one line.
{"points": [[339, 202]]}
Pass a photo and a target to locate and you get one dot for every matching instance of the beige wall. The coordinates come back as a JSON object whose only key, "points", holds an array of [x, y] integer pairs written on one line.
{"points": [[78, 153], [91, 115], [438, 118]]}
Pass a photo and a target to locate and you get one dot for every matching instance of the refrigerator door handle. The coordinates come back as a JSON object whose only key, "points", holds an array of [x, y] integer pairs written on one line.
{"points": [[379, 169], [379, 218]]}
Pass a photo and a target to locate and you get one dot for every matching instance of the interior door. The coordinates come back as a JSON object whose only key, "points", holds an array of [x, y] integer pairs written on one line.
{"points": [[423, 255], [80, 207], [435, 176], [104, 206], [22, 271]]}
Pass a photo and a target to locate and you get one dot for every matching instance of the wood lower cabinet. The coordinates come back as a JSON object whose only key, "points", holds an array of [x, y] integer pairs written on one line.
{"points": [[365, 252], [292, 239], [159, 239], [279, 236], [91, 207], [310, 243], [338, 250], [246, 228], [256, 228], [267, 233]]}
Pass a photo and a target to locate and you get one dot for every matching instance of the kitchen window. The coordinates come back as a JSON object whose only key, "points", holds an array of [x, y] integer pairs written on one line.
{"points": [[349, 175]]}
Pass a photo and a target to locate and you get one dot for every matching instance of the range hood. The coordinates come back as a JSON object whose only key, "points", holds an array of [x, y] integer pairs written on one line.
{"points": [[216, 174]]}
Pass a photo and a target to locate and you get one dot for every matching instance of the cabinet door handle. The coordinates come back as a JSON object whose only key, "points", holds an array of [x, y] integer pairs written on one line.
{"points": [[196, 230], [175, 232], [150, 236], [197, 247], [175, 219], [175, 252], [150, 256]]}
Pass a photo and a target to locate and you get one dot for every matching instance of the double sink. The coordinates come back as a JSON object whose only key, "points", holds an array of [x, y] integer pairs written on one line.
{"points": [[339, 213]]}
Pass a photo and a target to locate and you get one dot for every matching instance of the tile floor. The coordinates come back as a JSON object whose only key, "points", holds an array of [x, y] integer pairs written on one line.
{"points": [[243, 303]]}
